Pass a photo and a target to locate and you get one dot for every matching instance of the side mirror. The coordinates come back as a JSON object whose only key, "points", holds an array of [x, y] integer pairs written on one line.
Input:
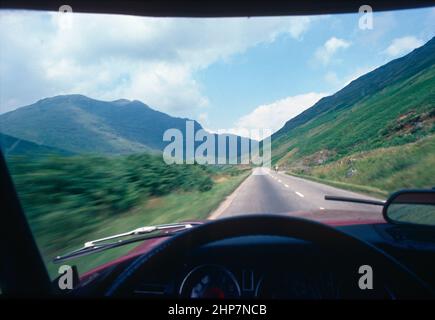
{"points": [[414, 207]]}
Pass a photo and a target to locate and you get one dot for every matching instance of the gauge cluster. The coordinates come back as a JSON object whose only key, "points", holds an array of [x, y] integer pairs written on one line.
{"points": [[210, 282], [218, 282], [258, 267]]}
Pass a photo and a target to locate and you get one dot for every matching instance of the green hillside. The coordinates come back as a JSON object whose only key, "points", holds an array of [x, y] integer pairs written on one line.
{"points": [[391, 106], [11, 146], [83, 125]]}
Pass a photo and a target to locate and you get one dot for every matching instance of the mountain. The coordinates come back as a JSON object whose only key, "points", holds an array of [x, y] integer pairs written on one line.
{"points": [[11, 146], [391, 106], [80, 124], [83, 125]]}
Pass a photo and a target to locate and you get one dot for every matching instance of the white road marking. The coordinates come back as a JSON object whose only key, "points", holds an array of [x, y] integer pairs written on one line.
{"points": [[279, 180], [286, 185], [299, 194], [321, 208]]}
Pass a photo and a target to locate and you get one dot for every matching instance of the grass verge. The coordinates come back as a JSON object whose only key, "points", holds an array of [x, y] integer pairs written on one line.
{"points": [[381, 171], [373, 192]]}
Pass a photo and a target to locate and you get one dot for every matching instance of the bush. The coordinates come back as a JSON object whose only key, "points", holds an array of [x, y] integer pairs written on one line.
{"points": [[205, 184], [99, 185]]}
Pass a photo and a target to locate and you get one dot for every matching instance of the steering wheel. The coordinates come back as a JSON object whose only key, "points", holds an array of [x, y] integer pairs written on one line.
{"points": [[403, 283]]}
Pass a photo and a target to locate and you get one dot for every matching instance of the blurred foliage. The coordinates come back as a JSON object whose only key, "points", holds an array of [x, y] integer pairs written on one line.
{"points": [[72, 199], [102, 185]]}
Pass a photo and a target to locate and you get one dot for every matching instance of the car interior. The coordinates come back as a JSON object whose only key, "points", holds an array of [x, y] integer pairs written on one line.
{"points": [[262, 256]]}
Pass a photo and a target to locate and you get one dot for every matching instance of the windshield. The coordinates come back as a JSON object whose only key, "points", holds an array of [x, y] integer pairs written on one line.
{"points": [[112, 123]]}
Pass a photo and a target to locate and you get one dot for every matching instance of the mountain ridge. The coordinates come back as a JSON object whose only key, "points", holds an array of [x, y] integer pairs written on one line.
{"points": [[81, 124], [419, 58]]}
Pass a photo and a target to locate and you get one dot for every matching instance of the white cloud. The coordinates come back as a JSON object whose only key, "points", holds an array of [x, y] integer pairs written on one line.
{"points": [[203, 119], [401, 46], [384, 23], [325, 53], [359, 71], [340, 82], [110, 57], [332, 78], [274, 115]]}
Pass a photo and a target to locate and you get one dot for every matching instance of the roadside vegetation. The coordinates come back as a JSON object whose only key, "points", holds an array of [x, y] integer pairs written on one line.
{"points": [[374, 136], [70, 200], [381, 171]]}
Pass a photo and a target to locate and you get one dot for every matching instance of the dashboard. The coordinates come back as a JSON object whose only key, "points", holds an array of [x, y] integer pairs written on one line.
{"points": [[275, 267], [248, 267]]}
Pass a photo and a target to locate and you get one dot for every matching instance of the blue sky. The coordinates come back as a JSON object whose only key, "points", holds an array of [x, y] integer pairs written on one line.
{"points": [[227, 73], [288, 67]]}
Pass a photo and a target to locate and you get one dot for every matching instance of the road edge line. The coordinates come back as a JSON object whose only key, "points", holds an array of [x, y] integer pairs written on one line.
{"points": [[227, 201]]}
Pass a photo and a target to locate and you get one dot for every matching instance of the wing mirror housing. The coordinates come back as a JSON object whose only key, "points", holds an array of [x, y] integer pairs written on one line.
{"points": [[411, 207]]}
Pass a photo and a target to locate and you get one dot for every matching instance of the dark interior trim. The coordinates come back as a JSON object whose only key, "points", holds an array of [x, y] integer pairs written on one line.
{"points": [[22, 270], [222, 8]]}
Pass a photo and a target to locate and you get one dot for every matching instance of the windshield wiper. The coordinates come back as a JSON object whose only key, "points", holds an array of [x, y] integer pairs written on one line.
{"points": [[139, 234], [355, 200]]}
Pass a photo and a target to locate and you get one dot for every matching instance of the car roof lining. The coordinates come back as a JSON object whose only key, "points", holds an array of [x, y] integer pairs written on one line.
{"points": [[222, 8]]}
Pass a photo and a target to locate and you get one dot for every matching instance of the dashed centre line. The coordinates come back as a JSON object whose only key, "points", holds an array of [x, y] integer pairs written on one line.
{"points": [[287, 186]]}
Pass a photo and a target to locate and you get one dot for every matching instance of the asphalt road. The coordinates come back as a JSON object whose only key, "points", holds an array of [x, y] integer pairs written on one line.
{"points": [[267, 191]]}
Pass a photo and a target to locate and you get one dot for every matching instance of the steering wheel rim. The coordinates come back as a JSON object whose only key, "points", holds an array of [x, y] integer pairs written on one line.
{"points": [[274, 225]]}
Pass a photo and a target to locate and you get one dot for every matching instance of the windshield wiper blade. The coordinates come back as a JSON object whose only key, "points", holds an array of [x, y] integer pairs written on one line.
{"points": [[135, 235], [356, 200]]}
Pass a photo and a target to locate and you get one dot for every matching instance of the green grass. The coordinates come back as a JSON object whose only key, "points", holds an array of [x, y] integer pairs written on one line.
{"points": [[381, 171], [373, 192]]}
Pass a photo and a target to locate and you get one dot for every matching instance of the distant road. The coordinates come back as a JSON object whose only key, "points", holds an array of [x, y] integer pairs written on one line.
{"points": [[266, 191]]}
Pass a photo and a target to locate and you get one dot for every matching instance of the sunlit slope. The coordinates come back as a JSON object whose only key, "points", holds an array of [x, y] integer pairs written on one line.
{"points": [[411, 165], [391, 106], [380, 171]]}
